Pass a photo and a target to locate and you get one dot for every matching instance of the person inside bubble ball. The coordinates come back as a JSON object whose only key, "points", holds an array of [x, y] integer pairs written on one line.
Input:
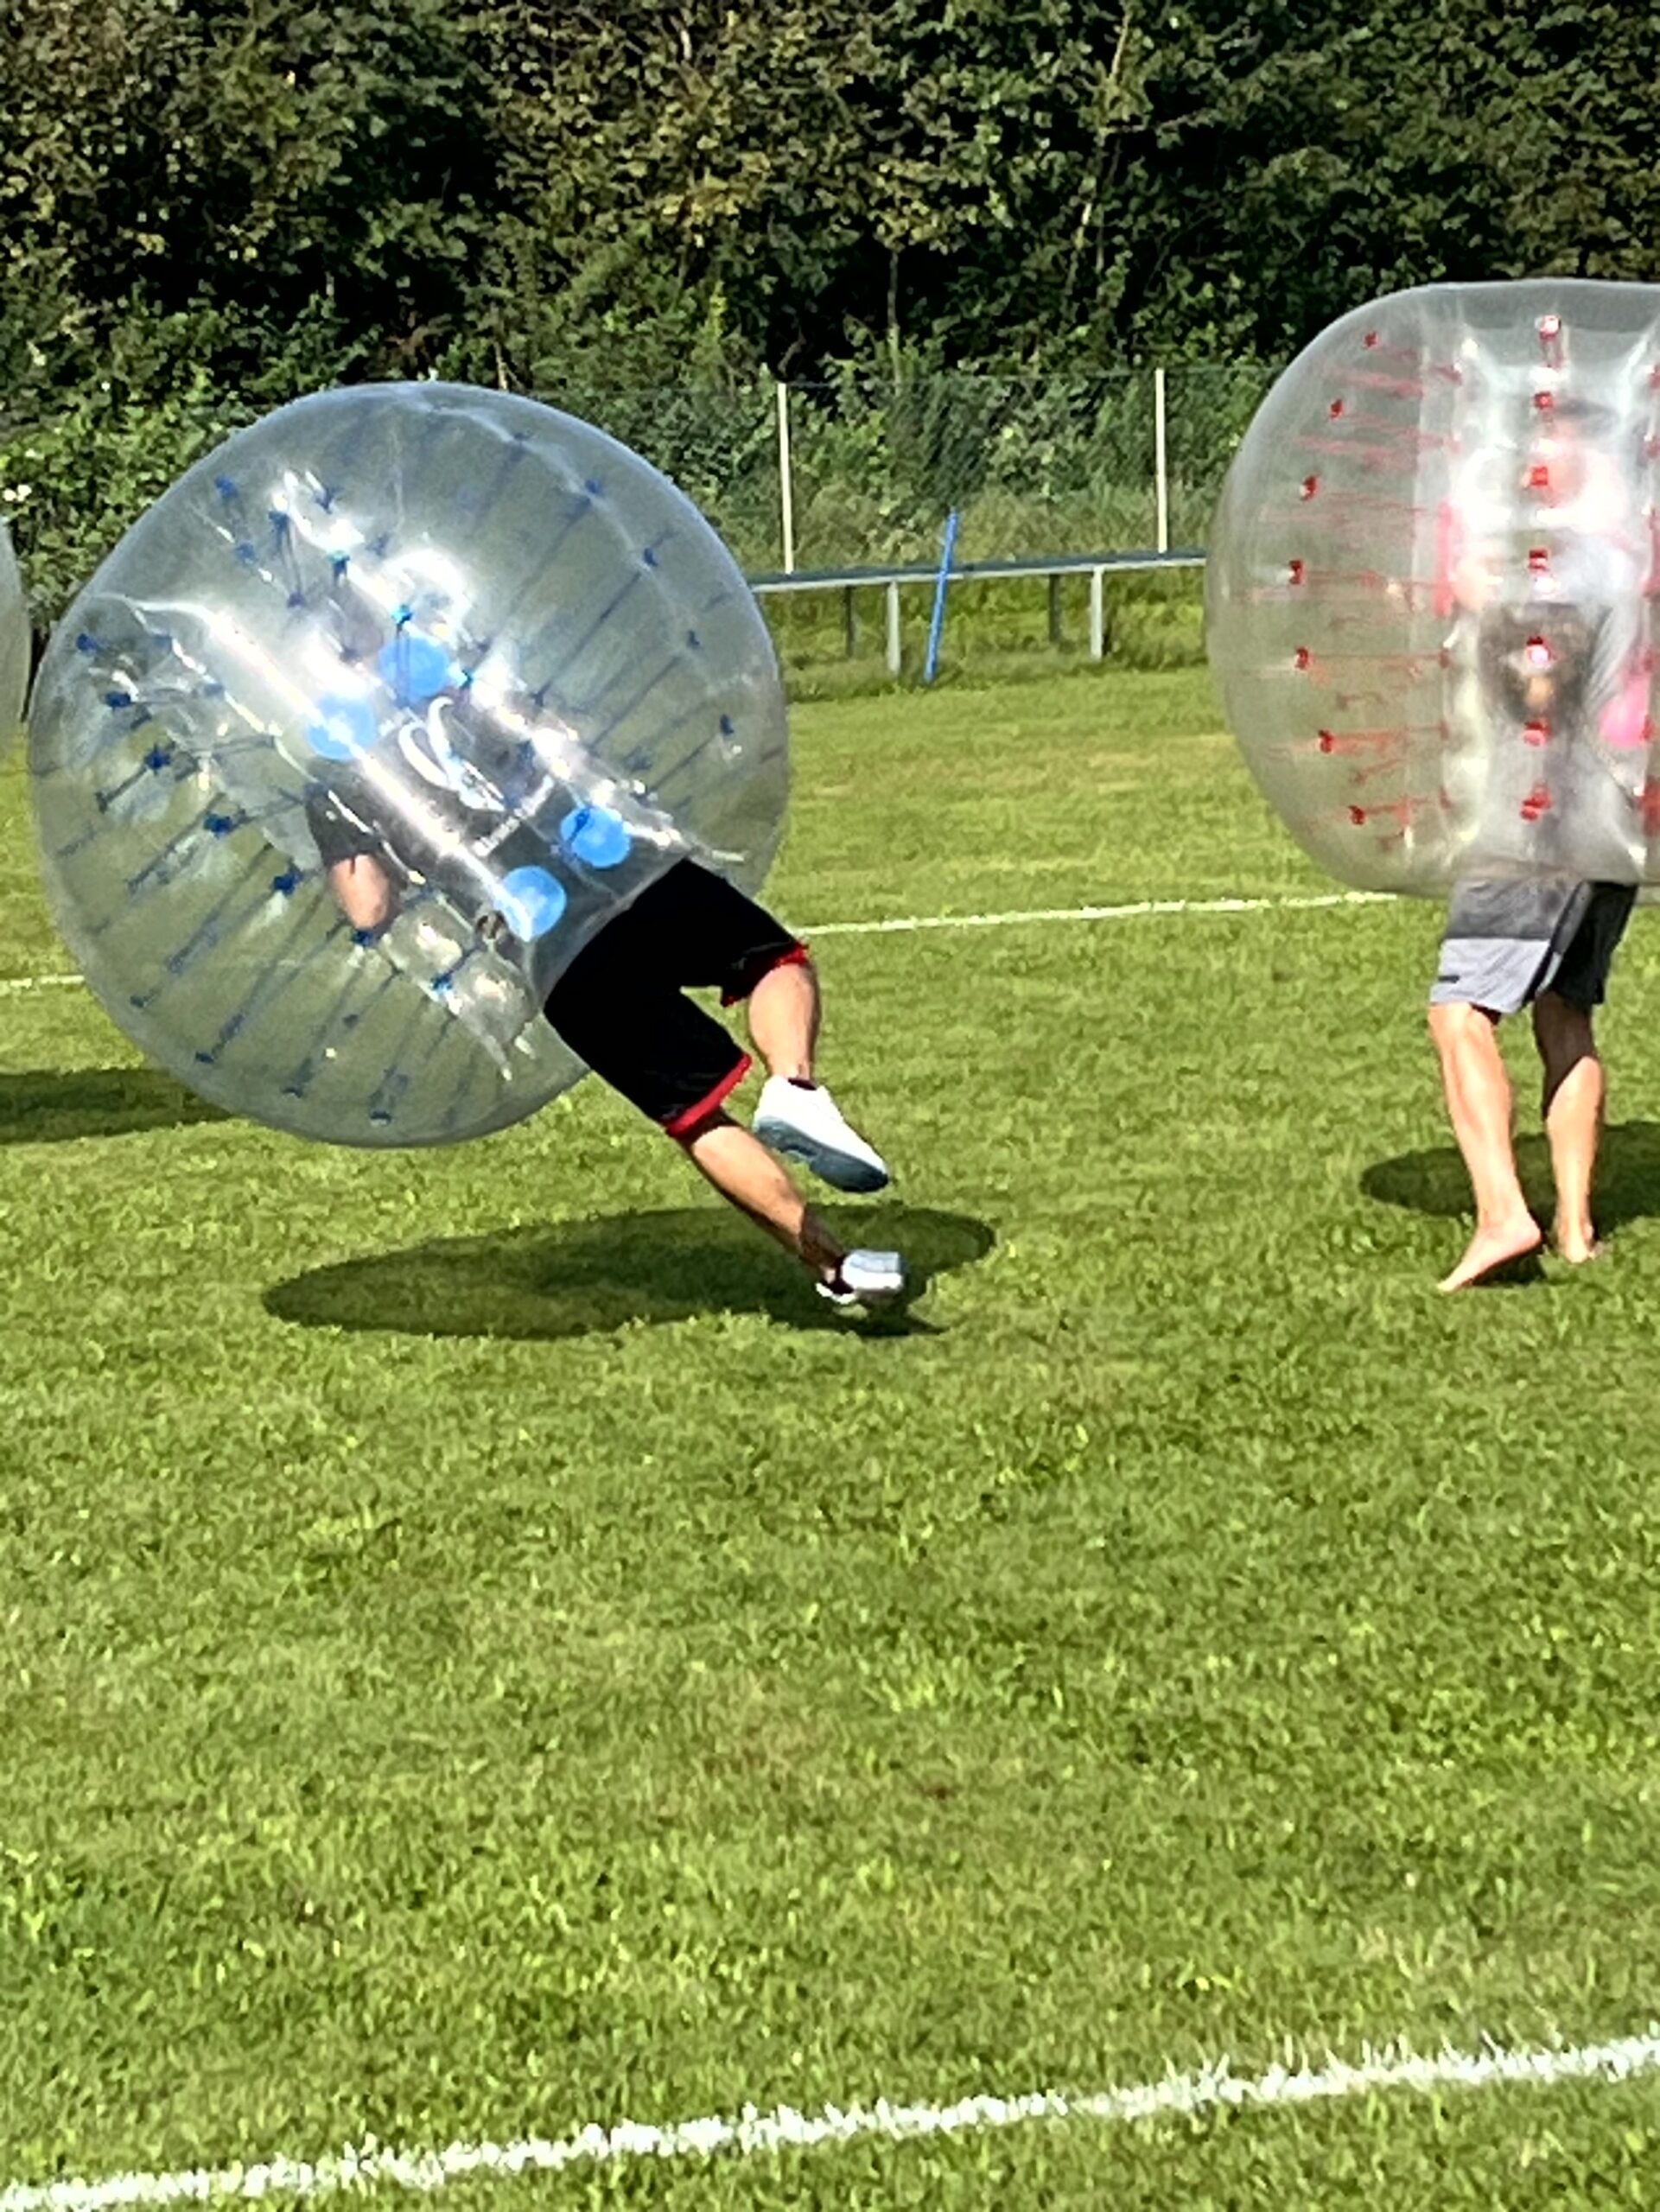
{"points": [[620, 1006], [1563, 659]]}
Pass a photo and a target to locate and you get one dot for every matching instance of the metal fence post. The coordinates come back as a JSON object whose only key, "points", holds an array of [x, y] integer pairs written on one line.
{"points": [[1098, 613], [1161, 463], [785, 482], [895, 661]]}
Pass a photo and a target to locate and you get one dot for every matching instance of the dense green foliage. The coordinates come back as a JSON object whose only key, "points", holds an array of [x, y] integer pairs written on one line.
{"points": [[488, 1650], [210, 204]]}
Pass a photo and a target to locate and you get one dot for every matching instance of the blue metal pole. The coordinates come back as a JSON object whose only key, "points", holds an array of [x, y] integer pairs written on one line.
{"points": [[942, 585]]}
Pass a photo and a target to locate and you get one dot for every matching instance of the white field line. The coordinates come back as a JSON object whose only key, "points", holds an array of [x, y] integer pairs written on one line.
{"points": [[900, 924], [1139, 910], [10, 983], [370, 2165]]}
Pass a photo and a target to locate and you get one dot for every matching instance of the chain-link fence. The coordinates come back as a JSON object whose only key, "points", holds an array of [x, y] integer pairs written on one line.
{"points": [[854, 471], [862, 472]]}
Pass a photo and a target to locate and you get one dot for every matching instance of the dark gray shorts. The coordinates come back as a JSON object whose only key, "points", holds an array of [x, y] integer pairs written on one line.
{"points": [[1507, 943]]}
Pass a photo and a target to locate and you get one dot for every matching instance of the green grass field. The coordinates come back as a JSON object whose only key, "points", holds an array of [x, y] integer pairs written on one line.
{"points": [[486, 1651]]}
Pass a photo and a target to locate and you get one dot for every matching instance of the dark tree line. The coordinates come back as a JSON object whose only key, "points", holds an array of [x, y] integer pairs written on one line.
{"points": [[211, 205]]}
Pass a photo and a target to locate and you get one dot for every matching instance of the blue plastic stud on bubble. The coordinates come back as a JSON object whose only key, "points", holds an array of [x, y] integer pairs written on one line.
{"points": [[342, 729], [531, 901], [416, 668], [406, 702], [596, 836]]}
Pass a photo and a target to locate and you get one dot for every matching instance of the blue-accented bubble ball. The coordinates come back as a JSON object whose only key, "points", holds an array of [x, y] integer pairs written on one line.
{"points": [[1431, 586], [363, 730], [14, 643]]}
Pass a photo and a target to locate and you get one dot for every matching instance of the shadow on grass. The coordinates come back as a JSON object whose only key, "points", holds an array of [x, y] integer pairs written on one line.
{"points": [[1434, 1181], [588, 1278], [54, 1106]]}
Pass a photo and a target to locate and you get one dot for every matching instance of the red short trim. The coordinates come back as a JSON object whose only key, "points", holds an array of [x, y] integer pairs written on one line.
{"points": [[796, 956], [723, 1090]]}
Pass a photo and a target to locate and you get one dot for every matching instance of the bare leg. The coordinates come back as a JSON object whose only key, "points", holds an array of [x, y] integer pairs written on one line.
{"points": [[1478, 1102], [364, 892], [748, 1176], [1572, 1106], [783, 1014]]}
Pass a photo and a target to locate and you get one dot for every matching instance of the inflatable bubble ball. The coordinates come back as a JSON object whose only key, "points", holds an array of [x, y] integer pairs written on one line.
{"points": [[1431, 587], [14, 643], [363, 731]]}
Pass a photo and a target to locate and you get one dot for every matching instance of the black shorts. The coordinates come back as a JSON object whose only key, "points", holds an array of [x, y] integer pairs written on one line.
{"points": [[618, 1005]]}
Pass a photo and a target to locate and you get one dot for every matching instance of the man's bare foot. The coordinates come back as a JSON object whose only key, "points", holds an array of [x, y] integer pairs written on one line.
{"points": [[1492, 1248], [1578, 1246]]}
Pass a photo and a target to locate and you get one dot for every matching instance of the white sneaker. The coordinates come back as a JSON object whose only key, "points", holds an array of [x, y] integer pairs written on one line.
{"points": [[807, 1125], [866, 1279]]}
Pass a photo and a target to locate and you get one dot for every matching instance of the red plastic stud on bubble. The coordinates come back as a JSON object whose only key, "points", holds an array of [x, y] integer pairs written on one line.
{"points": [[1538, 561], [1310, 486], [1302, 660], [1539, 477], [1536, 802], [1326, 741], [1335, 409], [1298, 572], [1371, 339], [1357, 816], [1535, 733], [1544, 401], [1550, 340], [1537, 654]]}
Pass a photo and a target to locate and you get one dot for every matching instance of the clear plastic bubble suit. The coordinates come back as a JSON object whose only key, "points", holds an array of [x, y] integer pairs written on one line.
{"points": [[496, 646], [14, 643], [1430, 589]]}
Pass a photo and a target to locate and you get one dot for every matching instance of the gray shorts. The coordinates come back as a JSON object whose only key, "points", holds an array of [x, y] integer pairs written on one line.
{"points": [[1507, 943]]}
